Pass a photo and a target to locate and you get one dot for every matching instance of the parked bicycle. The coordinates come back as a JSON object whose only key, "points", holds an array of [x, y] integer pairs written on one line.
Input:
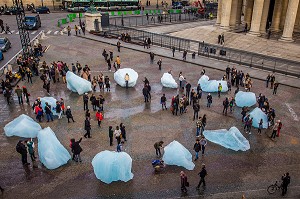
{"points": [[274, 187]]}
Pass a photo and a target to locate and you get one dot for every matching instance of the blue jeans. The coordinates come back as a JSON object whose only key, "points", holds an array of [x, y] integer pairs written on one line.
{"points": [[208, 104], [49, 116], [203, 149], [197, 154], [198, 131]]}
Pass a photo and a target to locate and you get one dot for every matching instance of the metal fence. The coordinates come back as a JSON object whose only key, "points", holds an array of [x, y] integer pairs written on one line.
{"points": [[144, 20], [272, 64]]}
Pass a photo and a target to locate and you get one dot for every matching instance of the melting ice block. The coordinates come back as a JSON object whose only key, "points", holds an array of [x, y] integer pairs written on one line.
{"points": [[77, 84], [112, 166], [245, 99], [168, 81], [22, 126], [51, 101], [232, 139], [119, 77], [176, 154], [51, 152], [258, 114], [212, 85]]}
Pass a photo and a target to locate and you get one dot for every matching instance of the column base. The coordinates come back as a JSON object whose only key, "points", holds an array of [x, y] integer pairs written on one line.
{"points": [[225, 27], [257, 34], [217, 24], [286, 39]]}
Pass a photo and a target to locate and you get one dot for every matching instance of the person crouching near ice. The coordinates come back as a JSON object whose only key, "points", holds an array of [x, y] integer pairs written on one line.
{"points": [[126, 79]]}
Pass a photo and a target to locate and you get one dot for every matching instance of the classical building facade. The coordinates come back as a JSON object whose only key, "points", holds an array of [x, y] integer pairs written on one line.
{"points": [[259, 15]]}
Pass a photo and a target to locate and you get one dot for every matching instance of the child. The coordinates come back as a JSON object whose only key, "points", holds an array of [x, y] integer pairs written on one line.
{"points": [[119, 147]]}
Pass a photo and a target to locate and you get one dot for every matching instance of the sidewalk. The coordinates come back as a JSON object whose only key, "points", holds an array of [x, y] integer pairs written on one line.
{"points": [[200, 60]]}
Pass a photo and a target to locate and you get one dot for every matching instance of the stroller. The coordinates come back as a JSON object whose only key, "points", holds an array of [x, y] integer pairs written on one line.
{"points": [[158, 165]]}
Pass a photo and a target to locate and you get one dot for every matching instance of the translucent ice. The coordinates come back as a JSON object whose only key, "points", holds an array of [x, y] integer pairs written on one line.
{"points": [[112, 166], [212, 85], [119, 77], [22, 126], [176, 154], [77, 84], [258, 114], [51, 101], [168, 81], [232, 139], [51, 152], [245, 99]]}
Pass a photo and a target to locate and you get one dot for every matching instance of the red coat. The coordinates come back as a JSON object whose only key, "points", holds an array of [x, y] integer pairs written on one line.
{"points": [[99, 116]]}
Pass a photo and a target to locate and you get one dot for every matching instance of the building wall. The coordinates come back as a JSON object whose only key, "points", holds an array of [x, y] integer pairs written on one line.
{"points": [[35, 2]]}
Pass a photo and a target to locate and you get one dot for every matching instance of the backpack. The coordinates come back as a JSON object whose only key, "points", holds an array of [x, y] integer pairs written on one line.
{"points": [[18, 148]]}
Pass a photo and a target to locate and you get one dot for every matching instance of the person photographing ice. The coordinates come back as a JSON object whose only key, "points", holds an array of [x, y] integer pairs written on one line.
{"points": [[126, 80]]}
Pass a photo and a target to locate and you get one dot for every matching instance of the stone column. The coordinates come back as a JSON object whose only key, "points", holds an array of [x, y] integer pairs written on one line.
{"points": [[233, 14], [248, 12], [290, 21], [256, 17], [276, 15], [297, 23], [226, 10], [283, 13], [219, 15], [239, 12], [264, 17]]}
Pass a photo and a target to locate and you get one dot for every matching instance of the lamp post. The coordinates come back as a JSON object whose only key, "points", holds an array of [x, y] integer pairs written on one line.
{"points": [[156, 3], [42, 3], [79, 15]]}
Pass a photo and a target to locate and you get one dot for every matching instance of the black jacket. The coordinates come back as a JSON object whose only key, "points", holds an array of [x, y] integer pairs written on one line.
{"points": [[76, 148], [48, 109], [69, 113], [87, 125], [202, 173], [197, 147]]}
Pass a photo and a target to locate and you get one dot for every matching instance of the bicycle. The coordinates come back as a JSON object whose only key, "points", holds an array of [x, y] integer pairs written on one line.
{"points": [[274, 187]]}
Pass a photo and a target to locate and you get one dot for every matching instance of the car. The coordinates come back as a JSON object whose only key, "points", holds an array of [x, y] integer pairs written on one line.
{"points": [[41, 10], [32, 22], [1, 55], [11, 11], [4, 44]]}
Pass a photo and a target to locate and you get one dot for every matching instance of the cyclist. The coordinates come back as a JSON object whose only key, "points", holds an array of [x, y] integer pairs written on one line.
{"points": [[286, 179]]}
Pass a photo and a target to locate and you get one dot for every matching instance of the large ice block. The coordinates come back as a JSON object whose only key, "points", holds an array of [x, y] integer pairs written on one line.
{"points": [[230, 139], [51, 101], [22, 126], [257, 114], [245, 99], [212, 85], [119, 77], [176, 154], [112, 166], [51, 152], [168, 81], [77, 84]]}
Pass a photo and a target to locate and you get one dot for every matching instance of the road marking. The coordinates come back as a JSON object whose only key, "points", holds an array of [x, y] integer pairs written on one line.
{"points": [[294, 115], [33, 32], [49, 32], [56, 32], [1, 33], [17, 33], [12, 31]]}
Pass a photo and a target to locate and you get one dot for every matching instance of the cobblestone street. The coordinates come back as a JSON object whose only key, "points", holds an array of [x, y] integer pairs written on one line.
{"points": [[230, 173]]}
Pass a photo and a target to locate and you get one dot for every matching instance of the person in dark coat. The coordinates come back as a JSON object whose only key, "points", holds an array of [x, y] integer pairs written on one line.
{"points": [[197, 148], [76, 149], [146, 93], [85, 101], [286, 179], [188, 89], [87, 127], [21, 148], [184, 182], [69, 114], [202, 175], [123, 131], [111, 135]]}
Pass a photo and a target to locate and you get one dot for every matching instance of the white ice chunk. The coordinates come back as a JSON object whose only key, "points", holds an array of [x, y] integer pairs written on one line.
{"points": [[168, 81], [22, 126], [212, 85], [119, 77], [232, 139], [112, 166], [176, 154], [245, 99], [257, 114], [77, 84], [51, 152], [51, 101]]}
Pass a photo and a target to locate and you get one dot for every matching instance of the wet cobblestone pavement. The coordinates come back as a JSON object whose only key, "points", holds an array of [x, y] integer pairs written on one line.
{"points": [[229, 172]]}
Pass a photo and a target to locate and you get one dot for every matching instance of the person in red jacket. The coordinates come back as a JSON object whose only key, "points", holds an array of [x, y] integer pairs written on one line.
{"points": [[99, 117]]}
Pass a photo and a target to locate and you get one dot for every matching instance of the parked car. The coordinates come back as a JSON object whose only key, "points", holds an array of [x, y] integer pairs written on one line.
{"points": [[4, 44], [41, 10], [32, 22], [11, 11], [1, 55]]}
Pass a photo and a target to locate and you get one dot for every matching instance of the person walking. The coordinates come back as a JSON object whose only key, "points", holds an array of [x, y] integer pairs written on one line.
{"points": [[118, 61], [21, 148], [199, 127], [184, 55], [85, 101], [276, 84], [118, 134], [110, 135], [196, 108], [118, 46], [146, 93], [268, 80], [279, 127], [184, 182], [149, 42], [69, 30], [76, 30], [7, 29], [203, 122], [69, 114], [231, 104], [188, 90], [260, 126], [159, 62], [225, 105], [127, 78], [58, 109], [151, 57], [99, 117], [26, 94], [48, 112], [163, 101], [87, 127], [209, 100], [219, 90], [202, 175], [275, 128], [76, 149], [203, 143], [158, 146], [286, 179], [173, 51], [123, 131], [272, 80], [19, 92], [197, 148], [29, 75]]}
